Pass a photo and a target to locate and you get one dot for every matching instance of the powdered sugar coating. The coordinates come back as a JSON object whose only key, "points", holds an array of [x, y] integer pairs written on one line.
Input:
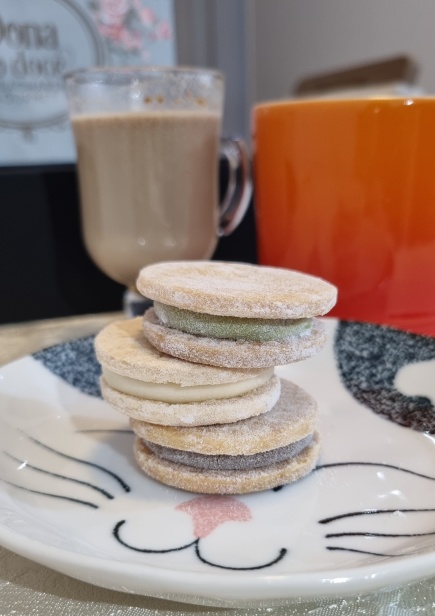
{"points": [[237, 289], [123, 348], [227, 482], [230, 463], [235, 354], [292, 418], [226, 410]]}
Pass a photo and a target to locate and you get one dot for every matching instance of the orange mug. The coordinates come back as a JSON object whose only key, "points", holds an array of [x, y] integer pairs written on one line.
{"points": [[345, 190]]}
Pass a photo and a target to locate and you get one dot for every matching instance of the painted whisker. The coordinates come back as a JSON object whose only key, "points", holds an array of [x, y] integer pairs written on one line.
{"points": [[392, 466], [372, 512], [340, 549], [116, 477], [50, 495], [26, 465], [371, 534]]}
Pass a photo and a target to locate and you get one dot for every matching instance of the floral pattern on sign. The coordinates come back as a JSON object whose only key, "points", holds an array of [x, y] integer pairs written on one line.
{"points": [[129, 28]]}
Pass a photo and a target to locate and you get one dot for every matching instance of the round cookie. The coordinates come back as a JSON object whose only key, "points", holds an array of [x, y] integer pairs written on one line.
{"points": [[208, 412], [227, 482], [237, 289], [234, 354], [292, 418], [122, 348], [146, 384]]}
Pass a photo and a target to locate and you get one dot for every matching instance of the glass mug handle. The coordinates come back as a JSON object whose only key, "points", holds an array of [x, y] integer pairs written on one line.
{"points": [[239, 188]]}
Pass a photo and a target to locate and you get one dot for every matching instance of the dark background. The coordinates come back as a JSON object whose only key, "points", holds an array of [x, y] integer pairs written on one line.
{"points": [[44, 268]]}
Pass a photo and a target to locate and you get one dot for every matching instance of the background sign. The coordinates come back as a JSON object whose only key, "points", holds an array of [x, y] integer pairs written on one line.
{"points": [[40, 40]]}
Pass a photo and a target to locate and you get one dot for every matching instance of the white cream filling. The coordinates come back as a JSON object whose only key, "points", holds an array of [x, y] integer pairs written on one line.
{"points": [[176, 394]]}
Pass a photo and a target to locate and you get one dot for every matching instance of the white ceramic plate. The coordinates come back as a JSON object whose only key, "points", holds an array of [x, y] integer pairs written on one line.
{"points": [[72, 498]]}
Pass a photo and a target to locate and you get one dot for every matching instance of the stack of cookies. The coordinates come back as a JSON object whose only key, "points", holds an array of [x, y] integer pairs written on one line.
{"points": [[196, 374]]}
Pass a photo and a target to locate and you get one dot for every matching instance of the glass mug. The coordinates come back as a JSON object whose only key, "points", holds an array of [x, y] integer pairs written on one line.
{"points": [[345, 190], [148, 144]]}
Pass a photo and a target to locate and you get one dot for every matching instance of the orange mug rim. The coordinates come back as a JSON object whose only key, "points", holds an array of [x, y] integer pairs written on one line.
{"points": [[354, 101]]}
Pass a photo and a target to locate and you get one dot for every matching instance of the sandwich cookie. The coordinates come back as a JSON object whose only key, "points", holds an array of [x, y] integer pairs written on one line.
{"points": [[254, 454], [148, 385], [233, 314]]}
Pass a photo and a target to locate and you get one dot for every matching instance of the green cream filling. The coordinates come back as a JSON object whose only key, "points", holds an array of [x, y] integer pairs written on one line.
{"points": [[230, 328]]}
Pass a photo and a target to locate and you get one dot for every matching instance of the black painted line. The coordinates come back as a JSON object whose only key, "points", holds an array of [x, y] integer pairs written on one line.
{"points": [[121, 482], [67, 498], [370, 534], [337, 548], [391, 466], [280, 556], [59, 476], [146, 550], [352, 514]]}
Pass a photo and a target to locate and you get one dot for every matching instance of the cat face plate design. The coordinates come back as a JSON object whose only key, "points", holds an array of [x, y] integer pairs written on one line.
{"points": [[72, 498]]}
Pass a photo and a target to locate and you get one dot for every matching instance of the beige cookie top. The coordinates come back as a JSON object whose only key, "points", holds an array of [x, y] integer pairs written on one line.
{"points": [[123, 348], [237, 289], [292, 418]]}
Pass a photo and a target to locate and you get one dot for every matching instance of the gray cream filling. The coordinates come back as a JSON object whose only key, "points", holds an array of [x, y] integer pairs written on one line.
{"points": [[226, 462], [173, 393]]}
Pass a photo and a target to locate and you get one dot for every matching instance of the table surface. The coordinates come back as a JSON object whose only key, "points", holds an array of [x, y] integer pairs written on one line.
{"points": [[30, 589]]}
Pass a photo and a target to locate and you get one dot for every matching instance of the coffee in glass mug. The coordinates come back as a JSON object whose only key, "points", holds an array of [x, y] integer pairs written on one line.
{"points": [[148, 143]]}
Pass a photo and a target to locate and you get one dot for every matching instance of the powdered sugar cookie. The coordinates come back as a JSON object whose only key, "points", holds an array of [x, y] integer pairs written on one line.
{"points": [[196, 374], [202, 413], [293, 418], [262, 452], [234, 353], [227, 481], [237, 289], [234, 315], [143, 383], [122, 348]]}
